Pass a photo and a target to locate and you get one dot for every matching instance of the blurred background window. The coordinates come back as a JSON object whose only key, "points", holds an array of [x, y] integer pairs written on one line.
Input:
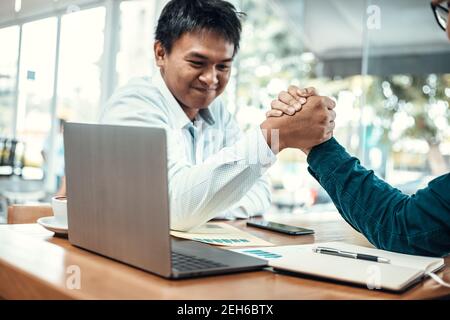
{"points": [[391, 85], [9, 39], [406, 115], [135, 56], [80, 62], [37, 68]]}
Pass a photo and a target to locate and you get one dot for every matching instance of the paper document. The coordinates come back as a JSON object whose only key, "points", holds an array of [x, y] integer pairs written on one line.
{"points": [[291, 252], [402, 271], [221, 234]]}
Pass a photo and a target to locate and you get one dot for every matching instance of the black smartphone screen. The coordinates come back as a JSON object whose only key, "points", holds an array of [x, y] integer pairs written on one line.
{"points": [[279, 227]]}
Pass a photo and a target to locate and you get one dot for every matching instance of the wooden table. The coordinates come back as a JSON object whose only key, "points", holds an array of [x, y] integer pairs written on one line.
{"points": [[36, 265]]}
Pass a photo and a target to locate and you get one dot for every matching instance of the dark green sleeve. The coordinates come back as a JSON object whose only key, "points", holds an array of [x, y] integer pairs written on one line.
{"points": [[417, 224]]}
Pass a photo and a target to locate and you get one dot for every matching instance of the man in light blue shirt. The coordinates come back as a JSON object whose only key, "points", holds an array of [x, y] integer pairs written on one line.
{"points": [[214, 169], [196, 145]]}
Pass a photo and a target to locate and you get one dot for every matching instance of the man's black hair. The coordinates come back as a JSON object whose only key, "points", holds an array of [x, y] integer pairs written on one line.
{"points": [[181, 16]]}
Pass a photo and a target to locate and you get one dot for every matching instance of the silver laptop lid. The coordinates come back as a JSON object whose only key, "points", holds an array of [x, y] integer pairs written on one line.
{"points": [[117, 193]]}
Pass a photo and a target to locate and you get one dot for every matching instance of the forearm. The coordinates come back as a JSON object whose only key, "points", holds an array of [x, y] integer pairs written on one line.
{"points": [[200, 193], [254, 203], [388, 218], [258, 199]]}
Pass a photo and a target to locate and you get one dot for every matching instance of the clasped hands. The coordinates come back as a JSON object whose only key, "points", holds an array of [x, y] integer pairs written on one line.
{"points": [[301, 119]]}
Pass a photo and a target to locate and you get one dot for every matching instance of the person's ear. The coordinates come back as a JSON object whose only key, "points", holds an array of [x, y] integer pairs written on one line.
{"points": [[160, 53]]}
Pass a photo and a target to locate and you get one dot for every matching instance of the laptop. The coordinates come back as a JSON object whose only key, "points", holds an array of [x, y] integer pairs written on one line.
{"points": [[118, 206]]}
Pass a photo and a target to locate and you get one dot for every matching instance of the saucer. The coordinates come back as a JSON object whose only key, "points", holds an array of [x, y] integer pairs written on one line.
{"points": [[50, 223]]}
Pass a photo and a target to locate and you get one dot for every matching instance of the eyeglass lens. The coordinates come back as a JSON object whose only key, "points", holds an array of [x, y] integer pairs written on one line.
{"points": [[442, 16]]}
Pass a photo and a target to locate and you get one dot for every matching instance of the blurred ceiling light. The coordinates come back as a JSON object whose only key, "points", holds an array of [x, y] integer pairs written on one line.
{"points": [[307, 57], [17, 5]]}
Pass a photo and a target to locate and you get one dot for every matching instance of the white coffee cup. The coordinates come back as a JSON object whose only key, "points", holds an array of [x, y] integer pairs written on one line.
{"points": [[59, 206]]}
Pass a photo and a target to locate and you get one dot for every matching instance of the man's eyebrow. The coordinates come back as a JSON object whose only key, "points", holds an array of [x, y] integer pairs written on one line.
{"points": [[200, 56]]}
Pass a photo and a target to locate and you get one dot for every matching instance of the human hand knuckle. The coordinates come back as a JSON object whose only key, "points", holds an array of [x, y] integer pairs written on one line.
{"points": [[323, 101]]}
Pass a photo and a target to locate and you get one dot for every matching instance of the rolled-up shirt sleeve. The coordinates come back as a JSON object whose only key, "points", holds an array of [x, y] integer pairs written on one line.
{"points": [[201, 192], [257, 200]]}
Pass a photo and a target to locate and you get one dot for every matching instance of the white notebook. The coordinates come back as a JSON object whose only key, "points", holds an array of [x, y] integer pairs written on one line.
{"points": [[402, 271]]}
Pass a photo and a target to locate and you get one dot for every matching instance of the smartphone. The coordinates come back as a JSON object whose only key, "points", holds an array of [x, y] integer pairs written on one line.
{"points": [[278, 227]]}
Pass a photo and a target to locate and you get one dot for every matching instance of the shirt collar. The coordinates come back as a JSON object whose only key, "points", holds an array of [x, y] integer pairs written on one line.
{"points": [[181, 117]]}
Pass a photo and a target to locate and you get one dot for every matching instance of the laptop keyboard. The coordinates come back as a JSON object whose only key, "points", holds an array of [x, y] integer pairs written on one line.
{"points": [[184, 262]]}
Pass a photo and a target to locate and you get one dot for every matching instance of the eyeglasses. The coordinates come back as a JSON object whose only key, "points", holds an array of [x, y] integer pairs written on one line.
{"points": [[441, 14]]}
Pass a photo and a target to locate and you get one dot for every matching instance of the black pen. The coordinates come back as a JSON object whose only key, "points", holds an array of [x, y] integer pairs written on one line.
{"points": [[347, 254]]}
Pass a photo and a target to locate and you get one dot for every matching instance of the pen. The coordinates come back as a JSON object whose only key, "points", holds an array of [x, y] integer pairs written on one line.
{"points": [[348, 254]]}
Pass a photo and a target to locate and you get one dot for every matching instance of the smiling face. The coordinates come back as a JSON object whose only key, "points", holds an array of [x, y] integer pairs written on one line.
{"points": [[197, 69]]}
